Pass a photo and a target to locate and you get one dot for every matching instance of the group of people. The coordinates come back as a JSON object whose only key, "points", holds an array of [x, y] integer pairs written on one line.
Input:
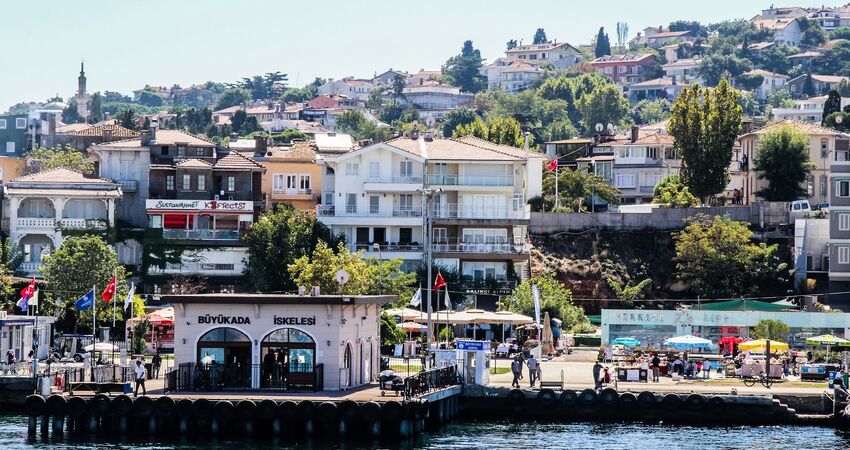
{"points": [[535, 372], [275, 369]]}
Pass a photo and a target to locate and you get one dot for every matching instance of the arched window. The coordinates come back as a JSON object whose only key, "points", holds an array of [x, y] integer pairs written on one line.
{"points": [[289, 358], [225, 346], [224, 335]]}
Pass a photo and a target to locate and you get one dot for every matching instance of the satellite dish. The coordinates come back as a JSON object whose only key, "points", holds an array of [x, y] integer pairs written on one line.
{"points": [[342, 277], [430, 121]]}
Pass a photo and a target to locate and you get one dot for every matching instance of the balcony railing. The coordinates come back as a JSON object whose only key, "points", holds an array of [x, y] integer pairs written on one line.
{"points": [[129, 185], [372, 212], [45, 223], [199, 268], [407, 212], [461, 246], [205, 235], [395, 179], [281, 191], [455, 211], [389, 247], [30, 267], [470, 180]]}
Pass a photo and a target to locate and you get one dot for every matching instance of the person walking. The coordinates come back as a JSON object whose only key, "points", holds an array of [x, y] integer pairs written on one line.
{"points": [[597, 372], [532, 370], [140, 379], [656, 364], [706, 369], [156, 363], [516, 368]]}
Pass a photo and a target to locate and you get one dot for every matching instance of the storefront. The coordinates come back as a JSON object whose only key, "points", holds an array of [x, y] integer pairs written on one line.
{"points": [[16, 334], [652, 327], [281, 342]]}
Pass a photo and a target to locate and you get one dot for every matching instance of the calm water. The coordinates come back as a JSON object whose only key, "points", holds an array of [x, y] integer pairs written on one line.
{"points": [[502, 435]]}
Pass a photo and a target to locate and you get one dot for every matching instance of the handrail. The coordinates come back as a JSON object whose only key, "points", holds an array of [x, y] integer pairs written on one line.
{"points": [[430, 380]]}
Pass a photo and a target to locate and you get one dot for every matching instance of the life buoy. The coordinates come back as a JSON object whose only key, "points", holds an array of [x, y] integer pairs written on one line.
{"points": [[516, 396], [646, 399], [546, 397], [609, 396], [58, 381]]}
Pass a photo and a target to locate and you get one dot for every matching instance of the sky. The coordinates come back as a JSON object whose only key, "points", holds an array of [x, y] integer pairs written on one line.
{"points": [[128, 44]]}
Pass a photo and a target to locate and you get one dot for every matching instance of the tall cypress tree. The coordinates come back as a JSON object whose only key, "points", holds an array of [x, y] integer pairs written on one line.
{"points": [[832, 105], [603, 45]]}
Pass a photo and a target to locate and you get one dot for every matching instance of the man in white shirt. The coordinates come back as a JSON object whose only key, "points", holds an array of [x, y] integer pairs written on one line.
{"points": [[139, 372]]}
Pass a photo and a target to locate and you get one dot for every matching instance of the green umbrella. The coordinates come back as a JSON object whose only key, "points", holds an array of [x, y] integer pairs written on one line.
{"points": [[827, 339]]}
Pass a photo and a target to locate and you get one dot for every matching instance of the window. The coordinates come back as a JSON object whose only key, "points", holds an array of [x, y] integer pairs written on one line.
{"points": [[290, 182], [181, 150], [277, 182], [20, 123], [199, 151], [810, 186], [351, 204], [843, 255], [843, 188], [169, 182], [155, 221], [824, 148], [621, 69], [405, 202], [187, 182], [374, 170], [625, 180], [329, 170], [231, 184], [609, 70], [2, 124], [844, 222], [329, 199], [305, 183], [374, 204], [823, 186], [202, 182], [352, 169], [10, 147], [603, 170], [406, 169]]}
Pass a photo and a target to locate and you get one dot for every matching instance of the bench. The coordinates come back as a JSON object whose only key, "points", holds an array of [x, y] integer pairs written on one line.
{"points": [[554, 384], [99, 388]]}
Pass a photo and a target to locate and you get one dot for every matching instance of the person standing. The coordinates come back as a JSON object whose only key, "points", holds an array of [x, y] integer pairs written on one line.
{"points": [[597, 372], [532, 370], [140, 379], [516, 368], [156, 363], [706, 369], [656, 365]]}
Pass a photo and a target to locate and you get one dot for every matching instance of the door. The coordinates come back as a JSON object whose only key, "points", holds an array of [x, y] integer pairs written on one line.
{"points": [[484, 206], [405, 235], [440, 239], [362, 236], [379, 235], [440, 206], [291, 185]]}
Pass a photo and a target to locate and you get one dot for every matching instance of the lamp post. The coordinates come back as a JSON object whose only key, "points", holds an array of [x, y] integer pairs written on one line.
{"points": [[377, 247], [428, 193]]}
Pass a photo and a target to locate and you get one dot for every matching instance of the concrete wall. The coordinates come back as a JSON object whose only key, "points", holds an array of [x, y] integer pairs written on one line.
{"points": [[758, 214]]}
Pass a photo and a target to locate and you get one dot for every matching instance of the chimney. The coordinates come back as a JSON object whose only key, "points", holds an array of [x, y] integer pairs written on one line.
{"points": [[635, 133], [260, 144], [153, 127], [660, 28]]}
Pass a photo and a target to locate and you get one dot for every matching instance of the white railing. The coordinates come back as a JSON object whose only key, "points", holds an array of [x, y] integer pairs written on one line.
{"points": [[30, 267], [391, 247], [407, 212], [471, 180], [36, 222], [455, 211], [199, 268], [129, 185], [211, 235], [395, 179], [281, 191], [83, 224], [455, 246]]}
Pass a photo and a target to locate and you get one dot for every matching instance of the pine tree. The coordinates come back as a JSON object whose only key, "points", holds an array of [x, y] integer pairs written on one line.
{"points": [[832, 105], [540, 36], [603, 45]]}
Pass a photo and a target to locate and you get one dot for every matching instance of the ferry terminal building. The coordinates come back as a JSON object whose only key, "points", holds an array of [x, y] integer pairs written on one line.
{"points": [[328, 342]]}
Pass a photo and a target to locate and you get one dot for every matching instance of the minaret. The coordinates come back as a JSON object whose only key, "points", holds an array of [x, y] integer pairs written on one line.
{"points": [[81, 81]]}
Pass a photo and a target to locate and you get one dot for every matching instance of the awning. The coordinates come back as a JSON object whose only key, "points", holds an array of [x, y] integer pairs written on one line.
{"points": [[741, 305]]}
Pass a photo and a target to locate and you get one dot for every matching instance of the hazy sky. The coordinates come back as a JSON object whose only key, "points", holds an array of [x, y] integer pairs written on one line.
{"points": [[127, 44]]}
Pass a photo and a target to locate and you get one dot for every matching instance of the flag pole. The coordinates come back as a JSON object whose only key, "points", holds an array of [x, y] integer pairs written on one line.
{"points": [[556, 181]]}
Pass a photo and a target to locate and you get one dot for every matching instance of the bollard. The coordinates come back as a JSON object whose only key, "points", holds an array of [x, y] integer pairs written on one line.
{"points": [[246, 411], [307, 414], [348, 412], [370, 413]]}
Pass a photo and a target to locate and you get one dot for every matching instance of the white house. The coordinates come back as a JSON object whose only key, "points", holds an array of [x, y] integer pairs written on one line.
{"points": [[806, 110], [434, 99], [349, 87], [560, 54], [373, 195], [772, 82], [786, 29], [42, 206], [510, 74], [685, 70]]}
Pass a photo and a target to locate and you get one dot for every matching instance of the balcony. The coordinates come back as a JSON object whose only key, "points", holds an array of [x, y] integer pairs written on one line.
{"points": [[50, 224], [460, 246], [198, 268], [455, 211], [389, 247], [392, 184], [201, 235], [30, 268], [471, 180], [407, 212], [129, 185], [291, 192]]}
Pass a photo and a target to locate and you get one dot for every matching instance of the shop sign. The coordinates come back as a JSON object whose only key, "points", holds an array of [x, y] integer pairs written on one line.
{"points": [[642, 318], [221, 319], [489, 291], [278, 320], [472, 345], [200, 205]]}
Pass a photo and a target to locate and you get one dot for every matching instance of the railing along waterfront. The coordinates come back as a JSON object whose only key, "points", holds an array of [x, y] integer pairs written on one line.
{"points": [[108, 373], [430, 380], [239, 377]]}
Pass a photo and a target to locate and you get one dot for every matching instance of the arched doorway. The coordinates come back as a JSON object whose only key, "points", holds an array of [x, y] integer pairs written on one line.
{"points": [[346, 371], [288, 359], [224, 359]]}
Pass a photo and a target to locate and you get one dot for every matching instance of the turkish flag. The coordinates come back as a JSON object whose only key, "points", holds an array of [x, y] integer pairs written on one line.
{"points": [[553, 164], [439, 282], [28, 291], [109, 292]]}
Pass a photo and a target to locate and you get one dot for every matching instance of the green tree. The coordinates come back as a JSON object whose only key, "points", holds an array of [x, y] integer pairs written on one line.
{"points": [[775, 58], [604, 105], [832, 105], [812, 34], [603, 44], [780, 98], [672, 193], [510, 45], [555, 299], [716, 258], [809, 86], [127, 119], [498, 130], [576, 188], [71, 114], [49, 158], [232, 97], [835, 60], [650, 111], [705, 124], [697, 29], [355, 123], [276, 240], [782, 158], [78, 264], [464, 70], [477, 128], [391, 334], [456, 118], [399, 83], [628, 292], [150, 97], [750, 106], [238, 119], [749, 82], [366, 275], [715, 67], [95, 107], [775, 330], [263, 87], [540, 36]]}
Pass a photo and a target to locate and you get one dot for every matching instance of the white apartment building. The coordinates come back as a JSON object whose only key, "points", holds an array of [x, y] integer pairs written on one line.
{"points": [[349, 87], [40, 207], [510, 74], [771, 83], [560, 54], [807, 110], [373, 195]]}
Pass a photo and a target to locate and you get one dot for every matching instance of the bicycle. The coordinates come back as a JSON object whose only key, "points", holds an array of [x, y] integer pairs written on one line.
{"points": [[761, 378]]}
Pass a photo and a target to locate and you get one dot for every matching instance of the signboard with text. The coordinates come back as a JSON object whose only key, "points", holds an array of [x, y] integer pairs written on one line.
{"points": [[200, 205]]}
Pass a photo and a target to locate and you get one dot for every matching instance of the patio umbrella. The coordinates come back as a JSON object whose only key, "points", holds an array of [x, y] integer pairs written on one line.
{"points": [[411, 327], [548, 348], [405, 313], [626, 342], [729, 342], [688, 342], [828, 340], [760, 345]]}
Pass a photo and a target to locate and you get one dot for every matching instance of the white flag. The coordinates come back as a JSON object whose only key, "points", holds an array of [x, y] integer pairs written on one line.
{"points": [[417, 298], [129, 300], [536, 294], [34, 299], [447, 301]]}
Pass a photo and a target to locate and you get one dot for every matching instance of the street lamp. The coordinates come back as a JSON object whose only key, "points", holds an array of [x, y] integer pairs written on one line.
{"points": [[377, 247], [428, 193]]}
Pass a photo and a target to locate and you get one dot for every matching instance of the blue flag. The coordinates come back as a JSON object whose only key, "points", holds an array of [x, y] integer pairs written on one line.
{"points": [[86, 301]]}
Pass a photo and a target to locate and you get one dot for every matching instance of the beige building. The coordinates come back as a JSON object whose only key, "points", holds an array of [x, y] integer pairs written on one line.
{"points": [[292, 176]]}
